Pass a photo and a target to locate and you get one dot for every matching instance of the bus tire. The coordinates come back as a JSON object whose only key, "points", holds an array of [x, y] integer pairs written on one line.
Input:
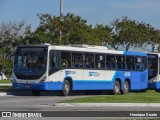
{"points": [[36, 92], [66, 88], [125, 87], [116, 90]]}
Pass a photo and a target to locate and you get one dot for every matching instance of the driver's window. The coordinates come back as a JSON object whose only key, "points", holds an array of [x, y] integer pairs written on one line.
{"points": [[53, 61]]}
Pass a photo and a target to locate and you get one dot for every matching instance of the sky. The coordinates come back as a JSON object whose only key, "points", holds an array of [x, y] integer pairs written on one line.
{"points": [[94, 11]]}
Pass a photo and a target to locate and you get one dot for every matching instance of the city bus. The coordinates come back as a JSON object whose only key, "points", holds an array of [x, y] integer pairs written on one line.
{"points": [[78, 68], [154, 71]]}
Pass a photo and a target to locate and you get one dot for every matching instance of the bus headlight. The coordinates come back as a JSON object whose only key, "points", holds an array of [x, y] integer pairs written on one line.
{"points": [[43, 79]]}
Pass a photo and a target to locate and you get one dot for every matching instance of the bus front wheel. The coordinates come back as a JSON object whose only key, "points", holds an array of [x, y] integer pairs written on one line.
{"points": [[116, 90], [66, 88]]}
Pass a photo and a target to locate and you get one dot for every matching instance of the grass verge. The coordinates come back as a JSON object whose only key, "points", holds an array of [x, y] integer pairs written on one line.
{"points": [[150, 96], [6, 89], [5, 81]]}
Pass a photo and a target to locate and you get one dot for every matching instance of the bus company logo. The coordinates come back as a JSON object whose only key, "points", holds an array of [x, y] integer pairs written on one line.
{"points": [[69, 72], [95, 74], [127, 74]]}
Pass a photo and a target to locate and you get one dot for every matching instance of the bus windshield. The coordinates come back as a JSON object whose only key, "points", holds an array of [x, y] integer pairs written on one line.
{"points": [[30, 63]]}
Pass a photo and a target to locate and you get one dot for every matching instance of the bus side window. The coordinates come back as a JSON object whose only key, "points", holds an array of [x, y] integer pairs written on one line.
{"points": [[87, 65], [77, 65], [64, 63], [110, 62], [120, 66], [110, 66], [89, 60], [140, 63], [100, 61], [120, 62], [139, 66], [130, 65], [65, 59], [77, 60]]}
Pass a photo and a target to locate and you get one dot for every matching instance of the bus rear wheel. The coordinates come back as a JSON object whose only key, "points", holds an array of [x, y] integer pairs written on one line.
{"points": [[66, 88], [36, 92], [125, 87], [116, 90]]}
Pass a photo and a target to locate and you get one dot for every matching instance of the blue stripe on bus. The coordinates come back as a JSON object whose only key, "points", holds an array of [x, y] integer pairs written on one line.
{"points": [[77, 85], [92, 85], [134, 53], [102, 85]]}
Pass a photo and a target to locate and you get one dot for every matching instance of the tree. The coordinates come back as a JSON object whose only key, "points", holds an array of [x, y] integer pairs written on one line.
{"points": [[70, 29], [124, 32], [129, 33], [102, 34], [75, 30], [11, 35]]}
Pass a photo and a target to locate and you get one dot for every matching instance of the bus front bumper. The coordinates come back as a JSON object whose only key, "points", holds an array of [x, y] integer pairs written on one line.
{"points": [[39, 86]]}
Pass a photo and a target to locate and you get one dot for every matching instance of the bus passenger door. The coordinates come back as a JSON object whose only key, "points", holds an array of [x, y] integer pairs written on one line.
{"points": [[54, 71]]}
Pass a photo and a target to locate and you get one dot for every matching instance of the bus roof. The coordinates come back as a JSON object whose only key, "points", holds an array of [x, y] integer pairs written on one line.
{"points": [[85, 48]]}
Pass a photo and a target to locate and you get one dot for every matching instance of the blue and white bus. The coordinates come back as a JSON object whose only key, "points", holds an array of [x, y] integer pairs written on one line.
{"points": [[154, 71], [78, 67]]}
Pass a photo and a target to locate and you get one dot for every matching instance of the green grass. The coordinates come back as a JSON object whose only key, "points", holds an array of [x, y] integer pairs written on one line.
{"points": [[5, 81], [6, 89], [150, 96]]}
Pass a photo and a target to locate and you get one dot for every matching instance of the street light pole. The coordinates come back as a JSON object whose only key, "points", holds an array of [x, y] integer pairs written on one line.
{"points": [[61, 14], [61, 8]]}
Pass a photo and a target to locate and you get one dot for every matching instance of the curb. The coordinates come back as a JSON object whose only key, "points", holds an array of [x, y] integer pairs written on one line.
{"points": [[106, 104], [7, 93], [5, 84]]}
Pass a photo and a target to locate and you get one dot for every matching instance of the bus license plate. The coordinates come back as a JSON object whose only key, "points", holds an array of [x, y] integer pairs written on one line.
{"points": [[27, 86]]}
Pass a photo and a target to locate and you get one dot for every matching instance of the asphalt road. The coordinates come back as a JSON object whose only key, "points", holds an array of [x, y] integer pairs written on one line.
{"points": [[24, 101]]}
